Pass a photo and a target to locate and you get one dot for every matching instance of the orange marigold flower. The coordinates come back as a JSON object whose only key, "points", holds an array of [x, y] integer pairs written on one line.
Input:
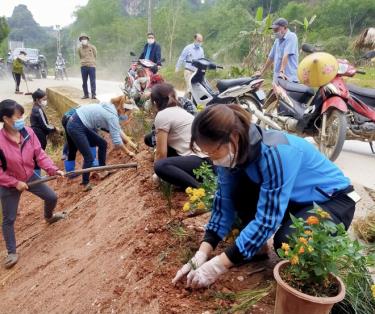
{"points": [[312, 220], [285, 246], [302, 240], [308, 232], [294, 260], [301, 250]]}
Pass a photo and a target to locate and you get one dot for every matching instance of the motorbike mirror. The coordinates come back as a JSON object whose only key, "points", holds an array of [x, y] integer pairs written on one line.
{"points": [[308, 48], [132, 53]]}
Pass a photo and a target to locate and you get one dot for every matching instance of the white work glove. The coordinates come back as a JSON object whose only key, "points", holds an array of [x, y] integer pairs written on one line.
{"points": [[155, 179], [198, 260], [207, 274]]}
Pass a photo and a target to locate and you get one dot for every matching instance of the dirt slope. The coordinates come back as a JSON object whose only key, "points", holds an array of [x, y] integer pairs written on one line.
{"points": [[116, 253]]}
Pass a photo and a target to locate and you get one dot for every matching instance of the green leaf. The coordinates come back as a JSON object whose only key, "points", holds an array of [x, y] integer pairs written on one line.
{"points": [[312, 19], [259, 14]]}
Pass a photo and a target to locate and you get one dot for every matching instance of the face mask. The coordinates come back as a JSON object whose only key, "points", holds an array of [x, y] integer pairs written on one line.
{"points": [[278, 35], [123, 117], [84, 42], [143, 80], [19, 124], [150, 41], [197, 45], [227, 161], [43, 103]]}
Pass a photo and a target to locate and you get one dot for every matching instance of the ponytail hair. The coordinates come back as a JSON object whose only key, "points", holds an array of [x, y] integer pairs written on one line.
{"points": [[163, 96], [216, 125]]}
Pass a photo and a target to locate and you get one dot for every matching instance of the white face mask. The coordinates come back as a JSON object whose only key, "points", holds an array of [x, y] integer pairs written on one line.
{"points": [[43, 103], [84, 42], [227, 161], [150, 41]]}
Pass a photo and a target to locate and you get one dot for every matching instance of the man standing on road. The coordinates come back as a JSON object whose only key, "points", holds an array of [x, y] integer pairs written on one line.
{"points": [[17, 70], [151, 50], [87, 55], [190, 52], [284, 53]]}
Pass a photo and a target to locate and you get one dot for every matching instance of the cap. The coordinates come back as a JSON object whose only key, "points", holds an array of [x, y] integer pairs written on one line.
{"points": [[279, 22], [83, 35]]}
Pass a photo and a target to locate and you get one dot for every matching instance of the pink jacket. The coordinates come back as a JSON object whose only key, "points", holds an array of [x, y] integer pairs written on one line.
{"points": [[20, 164]]}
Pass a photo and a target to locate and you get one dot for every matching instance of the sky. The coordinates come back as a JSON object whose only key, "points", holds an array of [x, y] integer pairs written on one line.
{"points": [[45, 12]]}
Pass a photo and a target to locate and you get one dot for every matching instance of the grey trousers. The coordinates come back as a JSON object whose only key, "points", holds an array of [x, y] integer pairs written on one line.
{"points": [[10, 198]]}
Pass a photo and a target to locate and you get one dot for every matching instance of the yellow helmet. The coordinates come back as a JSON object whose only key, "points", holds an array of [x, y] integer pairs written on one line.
{"points": [[317, 69]]}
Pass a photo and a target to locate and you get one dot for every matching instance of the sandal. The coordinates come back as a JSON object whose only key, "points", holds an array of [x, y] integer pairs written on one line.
{"points": [[87, 187], [10, 260], [56, 217]]}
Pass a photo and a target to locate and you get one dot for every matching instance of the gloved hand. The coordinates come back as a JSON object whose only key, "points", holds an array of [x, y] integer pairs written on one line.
{"points": [[207, 274], [198, 260]]}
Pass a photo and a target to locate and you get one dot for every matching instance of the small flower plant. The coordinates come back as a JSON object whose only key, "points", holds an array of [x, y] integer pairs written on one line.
{"points": [[200, 199], [316, 249]]}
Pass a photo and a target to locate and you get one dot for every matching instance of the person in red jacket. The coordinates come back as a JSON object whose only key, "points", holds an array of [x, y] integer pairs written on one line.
{"points": [[19, 148]]}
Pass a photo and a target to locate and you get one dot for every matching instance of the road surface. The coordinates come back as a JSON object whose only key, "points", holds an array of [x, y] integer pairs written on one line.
{"points": [[356, 160]]}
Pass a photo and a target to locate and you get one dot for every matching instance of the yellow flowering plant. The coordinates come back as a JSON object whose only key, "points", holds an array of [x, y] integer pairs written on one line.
{"points": [[317, 248], [200, 199]]}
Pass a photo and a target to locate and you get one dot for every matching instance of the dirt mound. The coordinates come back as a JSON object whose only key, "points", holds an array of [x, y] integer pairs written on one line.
{"points": [[116, 253]]}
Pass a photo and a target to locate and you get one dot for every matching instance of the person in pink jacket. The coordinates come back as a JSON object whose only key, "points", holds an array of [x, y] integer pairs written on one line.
{"points": [[19, 147]]}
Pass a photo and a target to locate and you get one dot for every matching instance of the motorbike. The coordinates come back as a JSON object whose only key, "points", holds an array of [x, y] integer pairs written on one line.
{"points": [[245, 91], [151, 69], [326, 114], [59, 71]]}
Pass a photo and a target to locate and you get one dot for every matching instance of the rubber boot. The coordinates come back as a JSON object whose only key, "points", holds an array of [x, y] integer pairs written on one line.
{"points": [[70, 165], [93, 152]]}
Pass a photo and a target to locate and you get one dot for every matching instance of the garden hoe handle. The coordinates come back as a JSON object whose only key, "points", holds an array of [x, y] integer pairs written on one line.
{"points": [[87, 170]]}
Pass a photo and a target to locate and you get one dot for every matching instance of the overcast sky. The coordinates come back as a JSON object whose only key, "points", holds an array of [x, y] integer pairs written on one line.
{"points": [[45, 12]]}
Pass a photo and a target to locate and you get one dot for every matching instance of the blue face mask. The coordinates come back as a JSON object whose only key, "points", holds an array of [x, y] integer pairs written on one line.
{"points": [[123, 117], [19, 124], [197, 45]]}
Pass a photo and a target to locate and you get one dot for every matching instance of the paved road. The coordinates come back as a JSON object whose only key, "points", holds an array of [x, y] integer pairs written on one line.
{"points": [[356, 160]]}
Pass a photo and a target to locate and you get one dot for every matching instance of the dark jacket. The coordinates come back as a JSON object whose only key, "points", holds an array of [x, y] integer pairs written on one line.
{"points": [[39, 121], [155, 54]]}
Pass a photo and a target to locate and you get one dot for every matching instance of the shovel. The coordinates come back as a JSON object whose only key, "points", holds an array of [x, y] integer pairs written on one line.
{"points": [[27, 87]]}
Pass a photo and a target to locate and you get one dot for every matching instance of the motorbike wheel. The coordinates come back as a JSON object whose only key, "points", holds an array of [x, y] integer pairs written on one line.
{"points": [[269, 108], [246, 101], [336, 127]]}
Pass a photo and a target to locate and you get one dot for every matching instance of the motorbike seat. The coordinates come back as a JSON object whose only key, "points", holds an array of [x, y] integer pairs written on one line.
{"points": [[223, 85], [367, 95], [296, 87]]}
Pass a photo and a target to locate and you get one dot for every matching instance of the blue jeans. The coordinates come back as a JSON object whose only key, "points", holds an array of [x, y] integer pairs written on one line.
{"points": [[10, 198], [83, 139], [87, 72]]}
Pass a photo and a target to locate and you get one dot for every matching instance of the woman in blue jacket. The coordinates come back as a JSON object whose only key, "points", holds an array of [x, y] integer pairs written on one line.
{"points": [[263, 177]]}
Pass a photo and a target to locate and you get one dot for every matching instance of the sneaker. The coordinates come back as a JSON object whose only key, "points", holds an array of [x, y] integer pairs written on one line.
{"points": [[85, 97], [10, 260], [56, 217], [93, 97]]}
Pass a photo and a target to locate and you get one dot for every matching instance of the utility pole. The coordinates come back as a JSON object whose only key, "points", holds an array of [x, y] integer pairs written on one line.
{"points": [[149, 27], [58, 39]]}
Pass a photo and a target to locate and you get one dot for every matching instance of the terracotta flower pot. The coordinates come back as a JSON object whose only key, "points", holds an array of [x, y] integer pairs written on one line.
{"points": [[292, 301]]}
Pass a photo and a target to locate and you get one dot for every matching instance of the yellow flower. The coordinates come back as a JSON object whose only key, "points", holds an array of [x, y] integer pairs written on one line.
{"points": [[323, 214], [189, 190], [373, 290], [286, 253], [310, 249], [200, 192], [294, 260], [186, 207], [312, 220], [201, 206], [301, 250], [193, 198], [308, 232], [285, 246], [302, 240]]}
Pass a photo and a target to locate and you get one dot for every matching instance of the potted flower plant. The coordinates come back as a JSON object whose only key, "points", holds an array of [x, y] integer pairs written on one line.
{"points": [[306, 279]]}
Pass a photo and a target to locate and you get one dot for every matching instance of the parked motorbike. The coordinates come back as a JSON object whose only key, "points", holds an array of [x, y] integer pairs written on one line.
{"points": [[245, 91], [326, 114], [151, 69]]}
